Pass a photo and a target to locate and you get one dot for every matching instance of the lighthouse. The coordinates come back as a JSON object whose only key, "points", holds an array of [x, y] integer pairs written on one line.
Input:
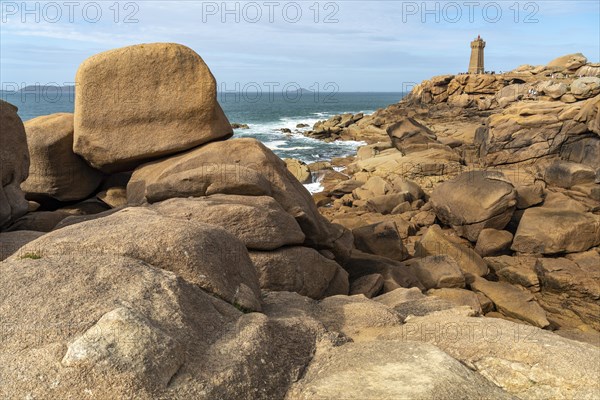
{"points": [[476, 62]]}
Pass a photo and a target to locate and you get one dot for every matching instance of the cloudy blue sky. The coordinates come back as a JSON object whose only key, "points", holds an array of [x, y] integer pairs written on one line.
{"points": [[359, 45]]}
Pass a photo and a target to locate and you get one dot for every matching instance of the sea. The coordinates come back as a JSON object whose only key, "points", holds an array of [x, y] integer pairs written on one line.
{"points": [[265, 114]]}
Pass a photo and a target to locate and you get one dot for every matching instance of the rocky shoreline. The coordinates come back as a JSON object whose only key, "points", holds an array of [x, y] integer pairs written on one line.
{"points": [[149, 255], [512, 179]]}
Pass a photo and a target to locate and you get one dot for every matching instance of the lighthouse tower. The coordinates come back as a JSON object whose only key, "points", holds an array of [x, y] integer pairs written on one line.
{"points": [[476, 63]]}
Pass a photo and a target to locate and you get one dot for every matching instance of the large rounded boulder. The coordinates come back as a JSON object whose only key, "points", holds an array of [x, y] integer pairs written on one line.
{"points": [[119, 328], [238, 166], [257, 221], [138, 103], [56, 172], [14, 164], [473, 201], [202, 254]]}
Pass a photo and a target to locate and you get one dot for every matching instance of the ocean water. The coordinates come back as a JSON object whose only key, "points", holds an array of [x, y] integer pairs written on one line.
{"points": [[265, 114]]}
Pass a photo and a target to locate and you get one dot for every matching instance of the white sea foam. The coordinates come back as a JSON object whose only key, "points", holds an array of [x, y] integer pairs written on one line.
{"points": [[295, 144], [297, 148], [314, 187]]}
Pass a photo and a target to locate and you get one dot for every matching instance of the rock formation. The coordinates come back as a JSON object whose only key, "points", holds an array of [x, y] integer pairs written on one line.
{"points": [[474, 201], [456, 256], [507, 165], [123, 120], [56, 171], [14, 159]]}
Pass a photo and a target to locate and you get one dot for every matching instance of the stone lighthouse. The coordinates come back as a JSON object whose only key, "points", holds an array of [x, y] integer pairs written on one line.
{"points": [[476, 63]]}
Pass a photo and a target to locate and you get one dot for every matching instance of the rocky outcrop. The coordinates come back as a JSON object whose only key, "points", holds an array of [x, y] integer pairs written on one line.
{"points": [[330, 129], [378, 369], [569, 289], [258, 221], [56, 172], [395, 274], [436, 243], [519, 271], [14, 159], [301, 270], [491, 91], [202, 254], [528, 131], [536, 130], [566, 174], [299, 169], [127, 118], [382, 239], [438, 271], [239, 166], [569, 62], [420, 165], [409, 133], [214, 275], [550, 231], [410, 303], [474, 201], [525, 361], [453, 105], [468, 90], [584, 88], [512, 302], [123, 328], [492, 242]]}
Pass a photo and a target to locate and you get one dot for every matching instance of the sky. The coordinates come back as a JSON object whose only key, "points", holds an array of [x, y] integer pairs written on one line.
{"points": [[354, 45]]}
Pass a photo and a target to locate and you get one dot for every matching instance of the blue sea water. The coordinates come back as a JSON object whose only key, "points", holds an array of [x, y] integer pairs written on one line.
{"points": [[265, 113]]}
